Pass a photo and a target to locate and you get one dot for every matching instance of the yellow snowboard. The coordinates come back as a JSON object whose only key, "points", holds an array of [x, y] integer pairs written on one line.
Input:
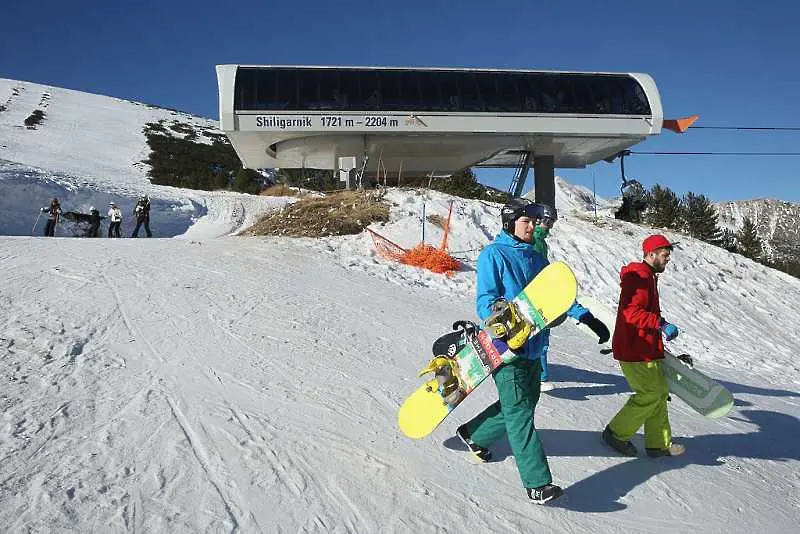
{"points": [[543, 301], [421, 409]]}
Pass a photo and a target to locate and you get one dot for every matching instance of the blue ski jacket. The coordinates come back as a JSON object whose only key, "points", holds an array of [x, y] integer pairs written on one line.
{"points": [[505, 267]]}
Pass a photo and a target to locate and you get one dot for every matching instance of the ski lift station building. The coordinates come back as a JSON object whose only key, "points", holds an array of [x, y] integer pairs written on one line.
{"points": [[433, 121]]}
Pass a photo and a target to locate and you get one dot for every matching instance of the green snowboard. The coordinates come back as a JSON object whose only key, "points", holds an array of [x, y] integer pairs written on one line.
{"points": [[706, 396]]}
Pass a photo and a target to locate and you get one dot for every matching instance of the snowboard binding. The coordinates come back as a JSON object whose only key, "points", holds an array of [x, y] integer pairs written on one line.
{"points": [[468, 328], [446, 379], [506, 323]]}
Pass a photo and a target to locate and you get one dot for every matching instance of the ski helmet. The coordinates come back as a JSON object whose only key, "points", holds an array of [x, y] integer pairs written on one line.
{"points": [[520, 207], [91, 208], [549, 212]]}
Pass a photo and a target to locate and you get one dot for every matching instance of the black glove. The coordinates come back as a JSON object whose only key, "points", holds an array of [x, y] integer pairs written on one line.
{"points": [[597, 327], [685, 358]]}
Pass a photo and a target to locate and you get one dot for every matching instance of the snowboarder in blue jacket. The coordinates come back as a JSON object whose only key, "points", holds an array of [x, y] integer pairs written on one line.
{"points": [[505, 267]]}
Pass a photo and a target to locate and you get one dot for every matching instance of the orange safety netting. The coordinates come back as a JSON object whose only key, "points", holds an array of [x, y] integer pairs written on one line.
{"points": [[423, 255], [385, 248], [431, 258]]}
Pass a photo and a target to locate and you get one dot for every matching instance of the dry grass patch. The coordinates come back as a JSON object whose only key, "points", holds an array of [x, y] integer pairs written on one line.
{"points": [[341, 213], [281, 190]]}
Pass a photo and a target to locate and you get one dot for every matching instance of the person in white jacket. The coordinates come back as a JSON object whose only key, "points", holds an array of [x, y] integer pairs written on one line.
{"points": [[115, 216]]}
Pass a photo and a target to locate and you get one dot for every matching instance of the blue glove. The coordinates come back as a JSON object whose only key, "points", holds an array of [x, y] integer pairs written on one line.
{"points": [[670, 330]]}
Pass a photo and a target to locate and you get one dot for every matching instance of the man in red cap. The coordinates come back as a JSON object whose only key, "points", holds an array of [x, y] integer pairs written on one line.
{"points": [[639, 349]]}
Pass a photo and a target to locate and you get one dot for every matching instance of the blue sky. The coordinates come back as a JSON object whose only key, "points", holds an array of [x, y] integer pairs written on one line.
{"points": [[731, 64]]}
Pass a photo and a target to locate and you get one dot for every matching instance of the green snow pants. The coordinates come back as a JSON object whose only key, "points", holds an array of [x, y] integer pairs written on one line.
{"points": [[518, 387], [647, 406]]}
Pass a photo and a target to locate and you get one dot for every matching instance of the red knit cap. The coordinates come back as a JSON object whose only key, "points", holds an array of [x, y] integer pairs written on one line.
{"points": [[655, 242]]}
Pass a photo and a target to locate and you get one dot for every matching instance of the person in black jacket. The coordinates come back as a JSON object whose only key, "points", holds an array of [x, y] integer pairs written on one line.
{"points": [[142, 213], [94, 222], [53, 213]]}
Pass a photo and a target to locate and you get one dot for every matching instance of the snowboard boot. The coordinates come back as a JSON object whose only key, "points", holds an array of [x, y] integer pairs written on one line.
{"points": [[675, 449], [482, 453], [547, 386], [505, 322], [626, 448], [449, 388], [543, 494]]}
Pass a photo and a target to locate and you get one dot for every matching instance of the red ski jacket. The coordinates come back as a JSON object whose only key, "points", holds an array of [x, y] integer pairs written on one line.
{"points": [[637, 333]]}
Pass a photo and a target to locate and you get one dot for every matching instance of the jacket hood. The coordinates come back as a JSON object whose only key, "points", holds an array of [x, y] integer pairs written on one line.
{"points": [[638, 267], [507, 240]]}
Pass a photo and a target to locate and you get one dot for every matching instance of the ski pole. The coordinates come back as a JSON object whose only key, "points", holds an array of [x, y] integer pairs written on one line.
{"points": [[423, 222], [33, 230]]}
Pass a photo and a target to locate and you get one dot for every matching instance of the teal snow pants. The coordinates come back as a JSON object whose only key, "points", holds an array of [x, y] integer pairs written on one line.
{"points": [[518, 387]]}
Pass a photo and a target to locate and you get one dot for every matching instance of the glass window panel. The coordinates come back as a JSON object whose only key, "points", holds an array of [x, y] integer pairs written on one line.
{"points": [[370, 95], [470, 95], [583, 96], [487, 89], [389, 82], [409, 90], [430, 90], [245, 89], [330, 95], [529, 86], [430, 97], [308, 85], [508, 96], [448, 87], [349, 96]]}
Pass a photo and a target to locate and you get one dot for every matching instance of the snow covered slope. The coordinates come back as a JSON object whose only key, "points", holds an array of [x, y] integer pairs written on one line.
{"points": [[88, 151], [252, 384], [97, 139]]}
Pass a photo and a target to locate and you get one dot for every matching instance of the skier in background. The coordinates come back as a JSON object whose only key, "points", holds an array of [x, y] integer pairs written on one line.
{"points": [[115, 216], [142, 214], [638, 347], [94, 222], [583, 314], [53, 213]]}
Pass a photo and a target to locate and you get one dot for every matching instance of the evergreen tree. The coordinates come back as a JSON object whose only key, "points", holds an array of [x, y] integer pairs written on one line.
{"points": [[728, 241], [663, 208], [247, 181], [700, 218], [221, 180], [316, 179], [749, 244], [788, 266], [464, 184]]}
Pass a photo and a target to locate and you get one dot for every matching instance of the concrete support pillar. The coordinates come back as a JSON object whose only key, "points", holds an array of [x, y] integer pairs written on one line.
{"points": [[544, 175], [347, 166]]}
